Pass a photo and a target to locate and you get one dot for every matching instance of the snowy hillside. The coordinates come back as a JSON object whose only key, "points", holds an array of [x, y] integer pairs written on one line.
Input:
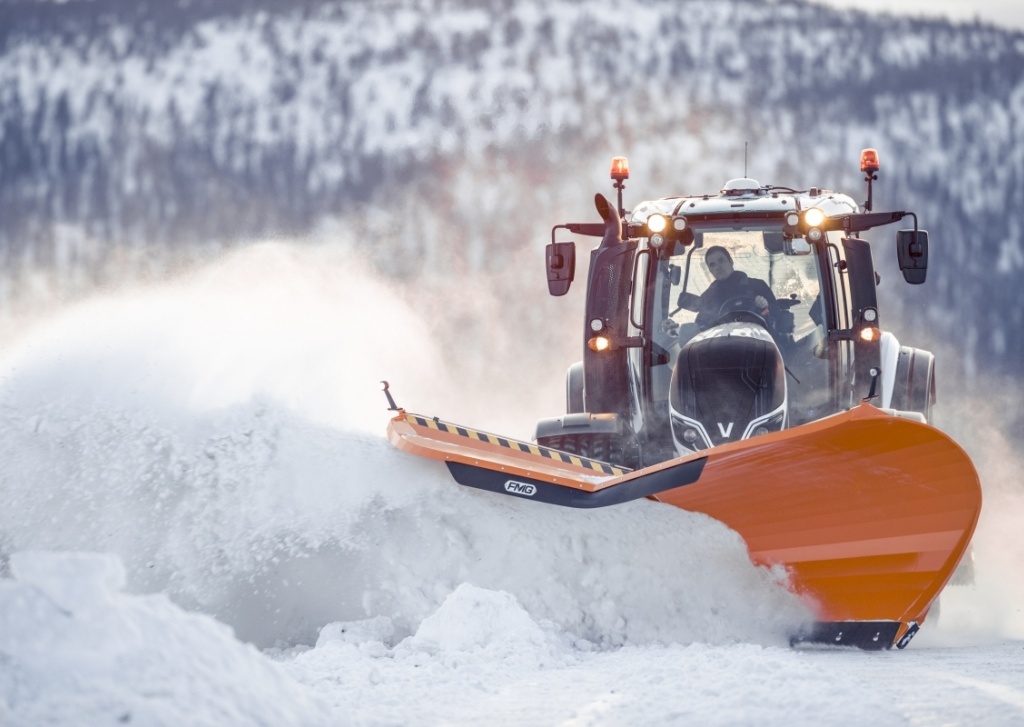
{"points": [[445, 138]]}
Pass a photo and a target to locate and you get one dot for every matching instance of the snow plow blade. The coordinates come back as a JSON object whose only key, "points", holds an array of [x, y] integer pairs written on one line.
{"points": [[869, 513]]}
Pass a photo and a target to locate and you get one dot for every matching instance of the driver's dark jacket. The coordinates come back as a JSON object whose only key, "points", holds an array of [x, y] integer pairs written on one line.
{"points": [[739, 284]]}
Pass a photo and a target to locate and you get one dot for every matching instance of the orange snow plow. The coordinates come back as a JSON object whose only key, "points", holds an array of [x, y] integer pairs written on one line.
{"points": [[869, 513]]}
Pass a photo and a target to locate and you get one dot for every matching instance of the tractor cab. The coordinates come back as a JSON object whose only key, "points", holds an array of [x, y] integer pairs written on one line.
{"points": [[720, 317]]}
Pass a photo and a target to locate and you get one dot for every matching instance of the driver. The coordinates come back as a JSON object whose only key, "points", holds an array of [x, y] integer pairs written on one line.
{"points": [[728, 284]]}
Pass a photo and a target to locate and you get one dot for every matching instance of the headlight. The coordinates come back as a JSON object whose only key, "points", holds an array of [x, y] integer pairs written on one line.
{"points": [[773, 422], [814, 217], [657, 223], [688, 433]]}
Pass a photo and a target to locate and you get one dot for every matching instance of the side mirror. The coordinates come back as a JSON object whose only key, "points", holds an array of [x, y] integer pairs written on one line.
{"points": [[561, 262], [912, 253]]}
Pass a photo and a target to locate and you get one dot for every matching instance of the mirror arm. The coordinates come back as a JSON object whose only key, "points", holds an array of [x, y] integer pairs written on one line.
{"points": [[915, 247]]}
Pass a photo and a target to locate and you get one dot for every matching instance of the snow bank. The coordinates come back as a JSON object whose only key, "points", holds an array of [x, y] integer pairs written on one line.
{"points": [[77, 651], [474, 618], [477, 641], [482, 659]]}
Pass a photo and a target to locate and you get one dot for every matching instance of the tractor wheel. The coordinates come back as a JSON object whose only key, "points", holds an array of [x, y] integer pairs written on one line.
{"points": [[914, 388]]}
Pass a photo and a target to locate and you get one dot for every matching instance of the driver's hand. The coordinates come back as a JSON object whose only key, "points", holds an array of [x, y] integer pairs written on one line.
{"points": [[819, 343], [670, 328], [761, 302]]}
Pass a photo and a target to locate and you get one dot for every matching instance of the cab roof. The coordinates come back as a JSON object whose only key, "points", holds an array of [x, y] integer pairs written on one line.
{"points": [[746, 196]]}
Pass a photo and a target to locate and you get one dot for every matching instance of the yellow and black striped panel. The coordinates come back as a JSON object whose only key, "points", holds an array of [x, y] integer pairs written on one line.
{"points": [[593, 464]]}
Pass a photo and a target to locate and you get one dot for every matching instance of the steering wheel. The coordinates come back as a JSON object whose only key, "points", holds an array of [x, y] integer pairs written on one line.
{"points": [[741, 309]]}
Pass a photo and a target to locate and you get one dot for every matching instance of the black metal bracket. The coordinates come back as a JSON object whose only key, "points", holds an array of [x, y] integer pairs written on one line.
{"points": [[392, 406]]}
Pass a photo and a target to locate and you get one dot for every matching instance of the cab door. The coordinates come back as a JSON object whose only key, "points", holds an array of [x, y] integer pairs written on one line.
{"points": [[851, 300], [608, 288], [638, 357], [863, 328], [838, 316]]}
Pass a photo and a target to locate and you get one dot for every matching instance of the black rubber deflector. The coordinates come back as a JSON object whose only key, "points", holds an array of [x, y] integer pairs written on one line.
{"points": [[642, 486]]}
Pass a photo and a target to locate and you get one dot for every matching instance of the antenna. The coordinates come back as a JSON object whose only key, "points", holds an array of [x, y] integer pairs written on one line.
{"points": [[745, 158]]}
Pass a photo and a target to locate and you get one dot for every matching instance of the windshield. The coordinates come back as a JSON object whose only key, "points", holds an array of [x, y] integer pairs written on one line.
{"points": [[792, 279], [750, 275]]}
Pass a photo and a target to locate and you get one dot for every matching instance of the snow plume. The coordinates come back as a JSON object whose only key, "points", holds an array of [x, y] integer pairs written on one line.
{"points": [[983, 414], [222, 435], [991, 606]]}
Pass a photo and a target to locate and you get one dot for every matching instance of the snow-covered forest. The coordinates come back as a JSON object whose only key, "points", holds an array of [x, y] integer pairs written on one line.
{"points": [[447, 137]]}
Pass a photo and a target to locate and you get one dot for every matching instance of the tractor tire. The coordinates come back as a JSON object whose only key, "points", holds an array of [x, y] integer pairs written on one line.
{"points": [[914, 389]]}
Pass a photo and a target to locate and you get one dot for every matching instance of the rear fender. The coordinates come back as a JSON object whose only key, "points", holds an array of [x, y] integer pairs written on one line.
{"points": [[575, 402], [890, 354]]}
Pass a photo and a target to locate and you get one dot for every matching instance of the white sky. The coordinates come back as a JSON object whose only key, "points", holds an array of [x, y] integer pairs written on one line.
{"points": [[1007, 13]]}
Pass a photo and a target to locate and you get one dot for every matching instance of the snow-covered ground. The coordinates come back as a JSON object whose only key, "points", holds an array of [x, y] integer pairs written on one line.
{"points": [[202, 523]]}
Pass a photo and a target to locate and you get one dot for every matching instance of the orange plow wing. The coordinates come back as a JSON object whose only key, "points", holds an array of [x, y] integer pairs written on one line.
{"points": [[869, 513]]}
